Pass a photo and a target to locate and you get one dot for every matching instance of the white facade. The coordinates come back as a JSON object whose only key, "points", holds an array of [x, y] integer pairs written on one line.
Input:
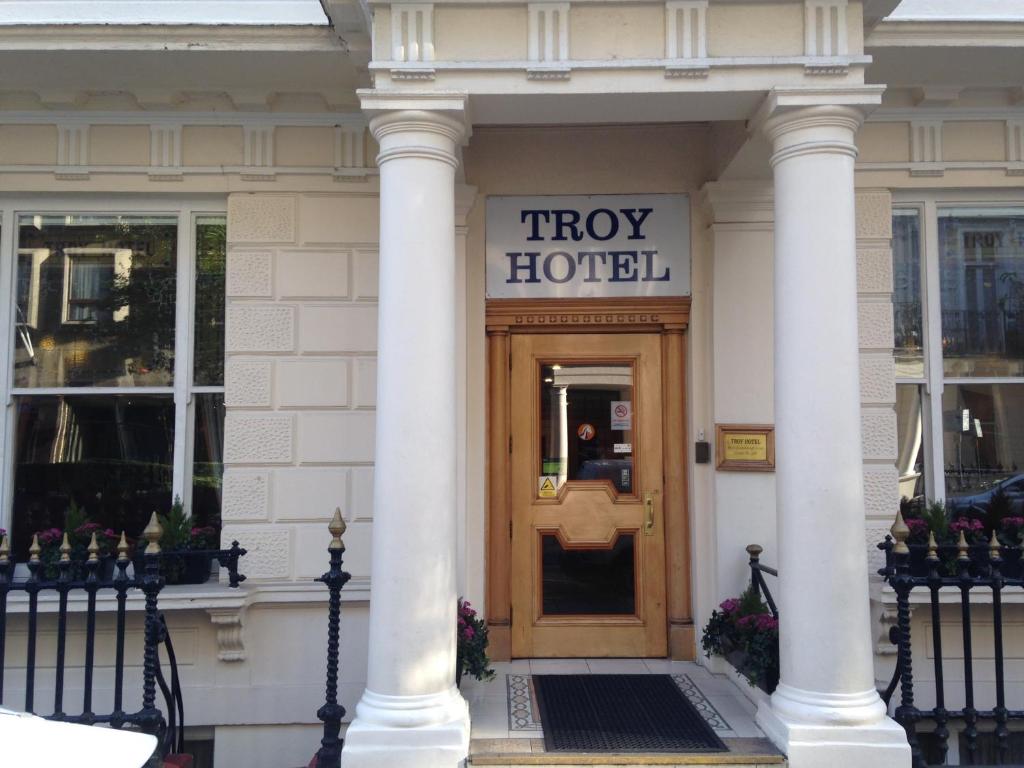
{"points": [[353, 155]]}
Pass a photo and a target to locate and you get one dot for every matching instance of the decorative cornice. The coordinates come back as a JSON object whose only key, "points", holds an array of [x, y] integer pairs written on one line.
{"points": [[911, 33], [582, 315], [146, 117], [700, 66], [168, 37]]}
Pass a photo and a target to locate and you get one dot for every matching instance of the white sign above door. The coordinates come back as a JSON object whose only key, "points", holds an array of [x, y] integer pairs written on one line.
{"points": [[588, 246]]}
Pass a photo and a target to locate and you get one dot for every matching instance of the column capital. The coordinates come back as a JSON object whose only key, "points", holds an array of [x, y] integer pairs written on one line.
{"points": [[429, 125], [801, 120]]}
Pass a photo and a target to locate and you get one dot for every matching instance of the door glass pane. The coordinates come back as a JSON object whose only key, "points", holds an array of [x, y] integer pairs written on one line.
{"points": [[109, 458], [982, 277], [586, 414], [983, 441], [95, 301], [588, 581]]}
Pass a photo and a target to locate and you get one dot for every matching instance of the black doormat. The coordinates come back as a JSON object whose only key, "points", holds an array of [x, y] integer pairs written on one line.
{"points": [[620, 713]]}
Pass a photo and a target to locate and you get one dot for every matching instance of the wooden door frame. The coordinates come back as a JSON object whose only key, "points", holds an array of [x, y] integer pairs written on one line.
{"points": [[668, 318]]}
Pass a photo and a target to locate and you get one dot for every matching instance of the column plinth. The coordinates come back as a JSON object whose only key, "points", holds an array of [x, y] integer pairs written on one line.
{"points": [[411, 714], [826, 710]]}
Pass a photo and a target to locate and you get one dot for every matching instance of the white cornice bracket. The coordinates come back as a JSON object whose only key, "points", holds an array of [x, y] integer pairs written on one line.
{"points": [[73, 150], [1015, 147], [926, 148], [825, 31], [165, 152], [412, 32], [548, 32], [259, 152], [686, 29]]}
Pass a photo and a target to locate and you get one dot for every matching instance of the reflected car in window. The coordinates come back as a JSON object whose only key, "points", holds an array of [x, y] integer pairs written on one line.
{"points": [[981, 501]]}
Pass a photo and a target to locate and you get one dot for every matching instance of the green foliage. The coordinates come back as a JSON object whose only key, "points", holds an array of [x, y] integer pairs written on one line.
{"points": [[751, 603], [937, 516], [74, 517], [177, 527], [999, 508]]}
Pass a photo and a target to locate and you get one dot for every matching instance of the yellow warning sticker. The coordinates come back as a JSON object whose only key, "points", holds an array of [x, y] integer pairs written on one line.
{"points": [[548, 489]]}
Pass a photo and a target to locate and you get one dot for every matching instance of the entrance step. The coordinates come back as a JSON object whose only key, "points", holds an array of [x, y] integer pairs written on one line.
{"points": [[745, 753]]}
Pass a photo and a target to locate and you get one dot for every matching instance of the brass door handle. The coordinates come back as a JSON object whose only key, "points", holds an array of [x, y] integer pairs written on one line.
{"points": [[648, 513]]}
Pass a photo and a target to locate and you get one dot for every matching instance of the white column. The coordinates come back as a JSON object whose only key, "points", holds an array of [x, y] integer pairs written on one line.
{"points": [[563, 434], [411, 714], [826, 710]]}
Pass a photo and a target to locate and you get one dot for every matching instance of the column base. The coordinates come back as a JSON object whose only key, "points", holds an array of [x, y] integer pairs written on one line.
{"points": [[408, 732], [837, 731]]}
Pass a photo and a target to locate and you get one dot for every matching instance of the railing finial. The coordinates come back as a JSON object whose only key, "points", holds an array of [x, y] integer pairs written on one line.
{"points": [[900, 532], [337, 529], [153, 533], [994, 548], [962, 548], [5, 550], [34, 549], [65, 549], [754, 550], [93, 549], [933, 548], [122, 548]]}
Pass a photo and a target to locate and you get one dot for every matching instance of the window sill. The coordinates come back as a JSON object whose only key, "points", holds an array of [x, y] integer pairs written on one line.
{"points": [[224, 605], [951, 596]]}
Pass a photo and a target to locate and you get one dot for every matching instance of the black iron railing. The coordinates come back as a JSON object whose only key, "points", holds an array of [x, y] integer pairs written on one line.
{"points": [[966, 568], [757, 572], [73, 577], [331, 713]]}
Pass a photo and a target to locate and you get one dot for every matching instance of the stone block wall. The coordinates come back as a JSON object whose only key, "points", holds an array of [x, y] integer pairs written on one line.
{"points": [[877, 368], [300, 378]]}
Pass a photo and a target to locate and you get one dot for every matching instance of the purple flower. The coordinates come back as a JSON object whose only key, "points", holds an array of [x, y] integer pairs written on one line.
{"points": [[917, 526], [967, 525], [730, 605], [1013, 522]]}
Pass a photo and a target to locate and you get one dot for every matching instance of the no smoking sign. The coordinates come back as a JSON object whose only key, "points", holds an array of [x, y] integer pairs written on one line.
{"points": [[622, 414]]}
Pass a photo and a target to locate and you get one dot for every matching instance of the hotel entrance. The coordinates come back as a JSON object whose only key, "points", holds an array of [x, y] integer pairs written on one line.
{"points": [[588, 538], [588, 544]]}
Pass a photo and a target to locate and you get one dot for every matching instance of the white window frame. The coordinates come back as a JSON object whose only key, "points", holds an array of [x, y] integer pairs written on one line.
{"points": [[187, 209], [928, 203]]}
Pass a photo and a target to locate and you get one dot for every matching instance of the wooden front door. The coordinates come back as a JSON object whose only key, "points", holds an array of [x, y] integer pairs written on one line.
{"points": [[586, 495]]}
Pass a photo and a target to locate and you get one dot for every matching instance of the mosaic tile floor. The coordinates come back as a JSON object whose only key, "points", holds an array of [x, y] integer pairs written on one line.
{"points": [[505, 707]]}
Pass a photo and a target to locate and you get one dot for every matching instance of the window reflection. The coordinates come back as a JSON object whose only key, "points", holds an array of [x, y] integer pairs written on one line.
{"points": [[906, 297], [110, 456], [910, 428], [983, 436], [982, 279], [211, 250], [207, 459], [589, 581], [95, 301], [587, 423]]}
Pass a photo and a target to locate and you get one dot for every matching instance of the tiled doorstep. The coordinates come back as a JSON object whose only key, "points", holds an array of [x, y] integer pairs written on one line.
{"points": [[489, 701]]}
